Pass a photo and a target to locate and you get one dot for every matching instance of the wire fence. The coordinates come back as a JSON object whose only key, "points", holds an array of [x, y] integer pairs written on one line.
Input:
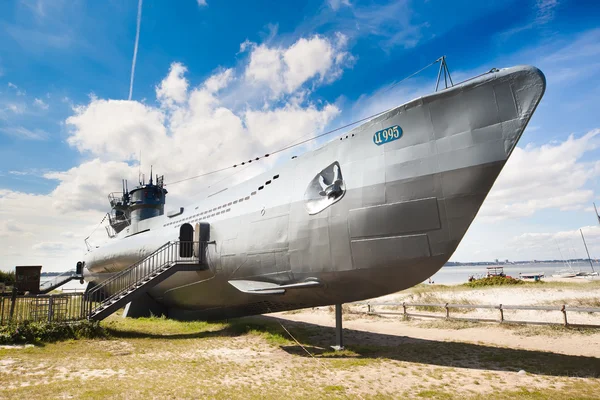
{"points": [[41, 308], [445, 309]]}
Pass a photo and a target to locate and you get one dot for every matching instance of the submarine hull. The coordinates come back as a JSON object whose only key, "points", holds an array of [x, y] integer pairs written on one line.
{"points": [[376, 211]]}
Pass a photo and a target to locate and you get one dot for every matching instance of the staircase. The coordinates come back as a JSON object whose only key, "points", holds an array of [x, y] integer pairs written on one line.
{"points": [[59, 280], [110, 295]]}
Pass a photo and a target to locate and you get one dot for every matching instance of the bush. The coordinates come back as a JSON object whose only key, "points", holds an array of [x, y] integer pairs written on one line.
{"points": [[38, 332], [8, 278], [494, 281]]}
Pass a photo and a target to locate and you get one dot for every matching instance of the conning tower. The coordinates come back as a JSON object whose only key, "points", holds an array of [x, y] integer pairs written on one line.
{"points": [[128, 208], [147, 200]]}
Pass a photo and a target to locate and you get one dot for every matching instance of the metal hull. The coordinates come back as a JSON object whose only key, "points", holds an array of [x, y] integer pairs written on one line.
{"points": [[405, 207]]}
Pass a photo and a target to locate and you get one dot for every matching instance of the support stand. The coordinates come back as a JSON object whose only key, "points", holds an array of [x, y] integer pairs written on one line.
{"points": [[339, 334]]}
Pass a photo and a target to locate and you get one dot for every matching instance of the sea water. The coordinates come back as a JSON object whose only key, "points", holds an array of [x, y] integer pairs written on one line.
{"points": [[461, 274]]}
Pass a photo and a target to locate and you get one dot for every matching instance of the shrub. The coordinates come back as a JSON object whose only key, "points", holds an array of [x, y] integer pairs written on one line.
{"points": [[494, 281], [37, 332], [8, 278]]}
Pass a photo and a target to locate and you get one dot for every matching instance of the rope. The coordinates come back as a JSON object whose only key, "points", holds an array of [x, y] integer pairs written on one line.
{"points": [[311, 138], [308, 352], [98, 226]]}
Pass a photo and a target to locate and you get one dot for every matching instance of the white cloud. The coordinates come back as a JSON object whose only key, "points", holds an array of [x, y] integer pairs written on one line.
{"points": [[173, 89], [41, 104], [24, 133], [18, 91], [16, 108], [116, 129], [549, 176], [336, 4], [10, 228], [285, 70], [202, 3], [563, 244], [545, 11], [219, 81]]}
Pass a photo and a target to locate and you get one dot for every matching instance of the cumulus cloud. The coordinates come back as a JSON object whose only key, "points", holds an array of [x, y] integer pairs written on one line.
{"points": [[202, 3], [219, 81], [284, 70], [548, 176], [116, 129], [173, 89]]}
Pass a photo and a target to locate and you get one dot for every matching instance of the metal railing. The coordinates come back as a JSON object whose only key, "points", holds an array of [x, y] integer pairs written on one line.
{"points": [[57, 280], [116, 199], [166, 256], [41, 308], [446, 307]]}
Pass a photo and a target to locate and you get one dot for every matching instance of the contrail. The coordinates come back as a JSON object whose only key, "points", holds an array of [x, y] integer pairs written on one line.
{"points": [[135, 49]]}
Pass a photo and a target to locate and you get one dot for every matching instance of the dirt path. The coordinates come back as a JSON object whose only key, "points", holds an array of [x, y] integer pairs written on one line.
{"points": [[492, 334]]}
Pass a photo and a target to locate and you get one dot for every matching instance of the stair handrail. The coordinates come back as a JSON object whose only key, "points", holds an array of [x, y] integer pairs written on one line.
{"points": [[94, 294], [128, 269], [65, 276]]}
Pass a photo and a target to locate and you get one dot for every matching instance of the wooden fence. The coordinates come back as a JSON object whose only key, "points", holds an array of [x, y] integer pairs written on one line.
{"points": [[37, 308], [446, 307]]}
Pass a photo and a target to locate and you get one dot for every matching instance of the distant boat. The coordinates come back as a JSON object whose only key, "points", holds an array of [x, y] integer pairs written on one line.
{"points": [[532, 275], [565, 273]]}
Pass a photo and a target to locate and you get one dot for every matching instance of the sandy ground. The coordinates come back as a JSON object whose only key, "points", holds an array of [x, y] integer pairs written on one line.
{"points": [[487, 333]]}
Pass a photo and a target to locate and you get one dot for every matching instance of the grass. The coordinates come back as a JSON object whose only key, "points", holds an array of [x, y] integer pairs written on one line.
{"points": [[255, 358], [578, 302]]}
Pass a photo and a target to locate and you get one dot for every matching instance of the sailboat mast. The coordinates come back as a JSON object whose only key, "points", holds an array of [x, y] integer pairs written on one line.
{"points": [[586, 250]]}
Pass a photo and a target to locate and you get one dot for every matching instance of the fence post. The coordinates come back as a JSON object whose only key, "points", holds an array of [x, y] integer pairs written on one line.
{"points": [[501, 314], [50, 308], [404, 308], [368, 308], [447, 311], [13, 299], [564, 311]]}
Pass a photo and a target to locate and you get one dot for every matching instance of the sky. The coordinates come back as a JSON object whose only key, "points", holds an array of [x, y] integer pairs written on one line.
{"points": [[216, 82]]}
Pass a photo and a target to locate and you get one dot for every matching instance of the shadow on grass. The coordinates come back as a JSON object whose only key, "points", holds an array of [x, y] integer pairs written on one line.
{"points": [[317, 340]]}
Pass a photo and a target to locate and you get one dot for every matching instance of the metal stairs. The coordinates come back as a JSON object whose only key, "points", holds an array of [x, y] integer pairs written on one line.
{"points": [[107, 297], [59, 280]]}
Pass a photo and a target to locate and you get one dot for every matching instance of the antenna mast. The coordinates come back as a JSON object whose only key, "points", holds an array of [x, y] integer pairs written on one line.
{"points": [[443, 69]]}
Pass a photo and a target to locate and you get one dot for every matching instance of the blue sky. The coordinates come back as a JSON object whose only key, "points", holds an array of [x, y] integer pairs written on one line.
{"points": [[65, 64]]}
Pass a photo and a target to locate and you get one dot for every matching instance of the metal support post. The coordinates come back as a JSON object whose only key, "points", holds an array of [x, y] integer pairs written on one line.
{"points": [[501, 314], [564, 311], [339, 334]]}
